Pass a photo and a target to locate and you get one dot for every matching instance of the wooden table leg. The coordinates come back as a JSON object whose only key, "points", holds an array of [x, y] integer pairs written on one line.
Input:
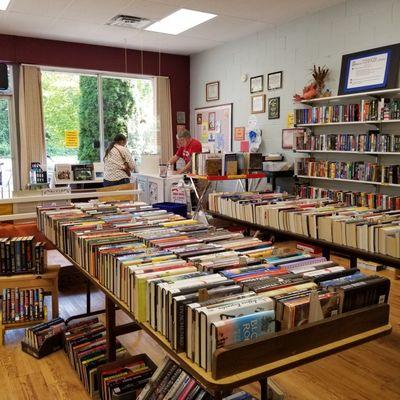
{"points": [[54, 300], [110, 330]]}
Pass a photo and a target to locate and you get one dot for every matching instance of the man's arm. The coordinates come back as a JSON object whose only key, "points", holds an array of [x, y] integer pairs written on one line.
{"points": [[186, 168], [173, 159]]}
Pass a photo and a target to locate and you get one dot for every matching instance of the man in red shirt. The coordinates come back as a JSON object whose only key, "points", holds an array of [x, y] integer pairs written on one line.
{"points": [[187, 146]]}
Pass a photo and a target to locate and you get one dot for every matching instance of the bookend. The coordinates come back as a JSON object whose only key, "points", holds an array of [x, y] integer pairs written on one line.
{"points": [[120, 363]]}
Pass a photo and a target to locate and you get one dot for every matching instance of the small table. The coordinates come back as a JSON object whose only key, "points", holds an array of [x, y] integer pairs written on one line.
{"points": [[210, 179]]}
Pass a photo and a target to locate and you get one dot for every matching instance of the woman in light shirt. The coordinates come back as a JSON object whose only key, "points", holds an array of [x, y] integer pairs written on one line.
{"points": [[118, 162]]}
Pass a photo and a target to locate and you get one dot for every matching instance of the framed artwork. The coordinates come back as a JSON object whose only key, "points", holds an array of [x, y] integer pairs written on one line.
{"points": [[239, 133], [257, 84], [274, 108], [370, 70], [212, 91], [181, 117], [274, 80], [220, 119], [288, 137], [211, 121], [258, 104]]}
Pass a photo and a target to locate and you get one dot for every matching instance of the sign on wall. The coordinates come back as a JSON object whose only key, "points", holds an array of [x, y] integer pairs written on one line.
{"points": [[71, 139]]}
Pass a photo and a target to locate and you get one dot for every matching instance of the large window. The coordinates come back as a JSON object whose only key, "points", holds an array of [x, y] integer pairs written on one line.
{"points": [[5, 147], [7, 138], [97, 107]]}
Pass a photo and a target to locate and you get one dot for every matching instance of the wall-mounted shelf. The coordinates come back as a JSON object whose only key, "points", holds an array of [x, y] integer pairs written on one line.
{"points": [[348, 180], [372, 94], [369, 153], [378, 122]]}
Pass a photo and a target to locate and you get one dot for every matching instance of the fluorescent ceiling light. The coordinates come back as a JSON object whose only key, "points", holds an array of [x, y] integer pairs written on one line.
{"points": [[4, 4], [180, 21]]}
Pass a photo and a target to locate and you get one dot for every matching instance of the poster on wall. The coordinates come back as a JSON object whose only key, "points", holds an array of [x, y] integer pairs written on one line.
{"points": [[214, 127], [71, 139]]}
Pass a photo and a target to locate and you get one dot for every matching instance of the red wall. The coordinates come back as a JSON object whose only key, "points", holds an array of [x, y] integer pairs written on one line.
{"points": [[18, 49]]}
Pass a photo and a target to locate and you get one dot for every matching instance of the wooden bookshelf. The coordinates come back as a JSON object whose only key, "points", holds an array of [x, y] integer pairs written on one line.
{"points": [[47, 281], [367, 153], [377, 122], [222, 378]]}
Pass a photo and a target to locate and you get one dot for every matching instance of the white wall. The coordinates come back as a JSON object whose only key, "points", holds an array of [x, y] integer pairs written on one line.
{"points": [[294, 47]]}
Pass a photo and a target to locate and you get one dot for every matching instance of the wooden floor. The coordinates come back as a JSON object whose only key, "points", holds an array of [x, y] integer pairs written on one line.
{"points": [[370, 371]]}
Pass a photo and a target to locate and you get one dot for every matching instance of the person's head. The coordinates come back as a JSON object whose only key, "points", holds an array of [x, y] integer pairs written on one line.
{"points": [[120, 139], [183, 138]]}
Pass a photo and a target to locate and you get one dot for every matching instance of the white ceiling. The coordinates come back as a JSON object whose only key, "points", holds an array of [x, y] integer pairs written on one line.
{"points": [[85, 21]]}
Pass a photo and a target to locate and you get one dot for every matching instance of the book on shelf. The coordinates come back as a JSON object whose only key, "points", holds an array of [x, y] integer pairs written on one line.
{"points": [[22, 305]]}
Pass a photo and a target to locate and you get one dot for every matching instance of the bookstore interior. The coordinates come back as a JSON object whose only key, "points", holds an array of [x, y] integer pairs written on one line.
{"points": [[200, 200]]}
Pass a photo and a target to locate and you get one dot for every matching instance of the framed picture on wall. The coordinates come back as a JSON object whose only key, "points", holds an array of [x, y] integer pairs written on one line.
{"points": [[258, 104], [369, 70], [212, 91], [274, 80], [199, 119], [239, 133], [211, 121], [257, 84], [274, 108]]}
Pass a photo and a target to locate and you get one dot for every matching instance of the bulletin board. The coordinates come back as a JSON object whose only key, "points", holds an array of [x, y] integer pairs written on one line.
{"points": [[213, 127]]}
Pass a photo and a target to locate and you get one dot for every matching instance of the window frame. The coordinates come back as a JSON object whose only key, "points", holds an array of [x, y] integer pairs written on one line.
{"points": [[9, 95], [100, 75]]}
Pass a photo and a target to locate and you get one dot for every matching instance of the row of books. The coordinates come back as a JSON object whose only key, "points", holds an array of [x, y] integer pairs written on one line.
{"points": [[170, 381], [357, 170], [328, 114], [20, 255], [215, 164], [86, 348], [373, 141], [35, 336], [22, 305], [360, 227], [384, 109], [380, 109], [350, 198]]}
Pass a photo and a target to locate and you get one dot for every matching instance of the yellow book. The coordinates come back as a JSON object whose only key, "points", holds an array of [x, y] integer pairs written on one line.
{"points": [[140, 289]]}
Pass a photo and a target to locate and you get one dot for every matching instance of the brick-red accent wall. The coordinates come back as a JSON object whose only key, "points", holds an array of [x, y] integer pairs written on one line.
{"points": [[18, 49]]}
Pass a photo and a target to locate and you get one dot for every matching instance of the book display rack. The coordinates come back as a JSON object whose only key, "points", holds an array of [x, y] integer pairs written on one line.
{"points": [[338, 126], [259, 359]]}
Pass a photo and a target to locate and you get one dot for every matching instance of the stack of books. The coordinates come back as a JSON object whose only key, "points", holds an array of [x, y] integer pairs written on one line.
{"points": [[22, 305]]}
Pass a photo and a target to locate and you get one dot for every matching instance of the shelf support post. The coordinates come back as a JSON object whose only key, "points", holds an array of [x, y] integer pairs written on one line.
{"points": [[264, 389], [110, 330]]}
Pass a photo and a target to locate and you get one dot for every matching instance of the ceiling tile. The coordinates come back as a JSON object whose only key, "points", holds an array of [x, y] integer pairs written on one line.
{"points": [[99, 11], [224, 29], [51, 8]]}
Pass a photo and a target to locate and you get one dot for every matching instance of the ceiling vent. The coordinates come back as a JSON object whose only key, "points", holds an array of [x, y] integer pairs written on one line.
{"points": [[129, 21]]}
